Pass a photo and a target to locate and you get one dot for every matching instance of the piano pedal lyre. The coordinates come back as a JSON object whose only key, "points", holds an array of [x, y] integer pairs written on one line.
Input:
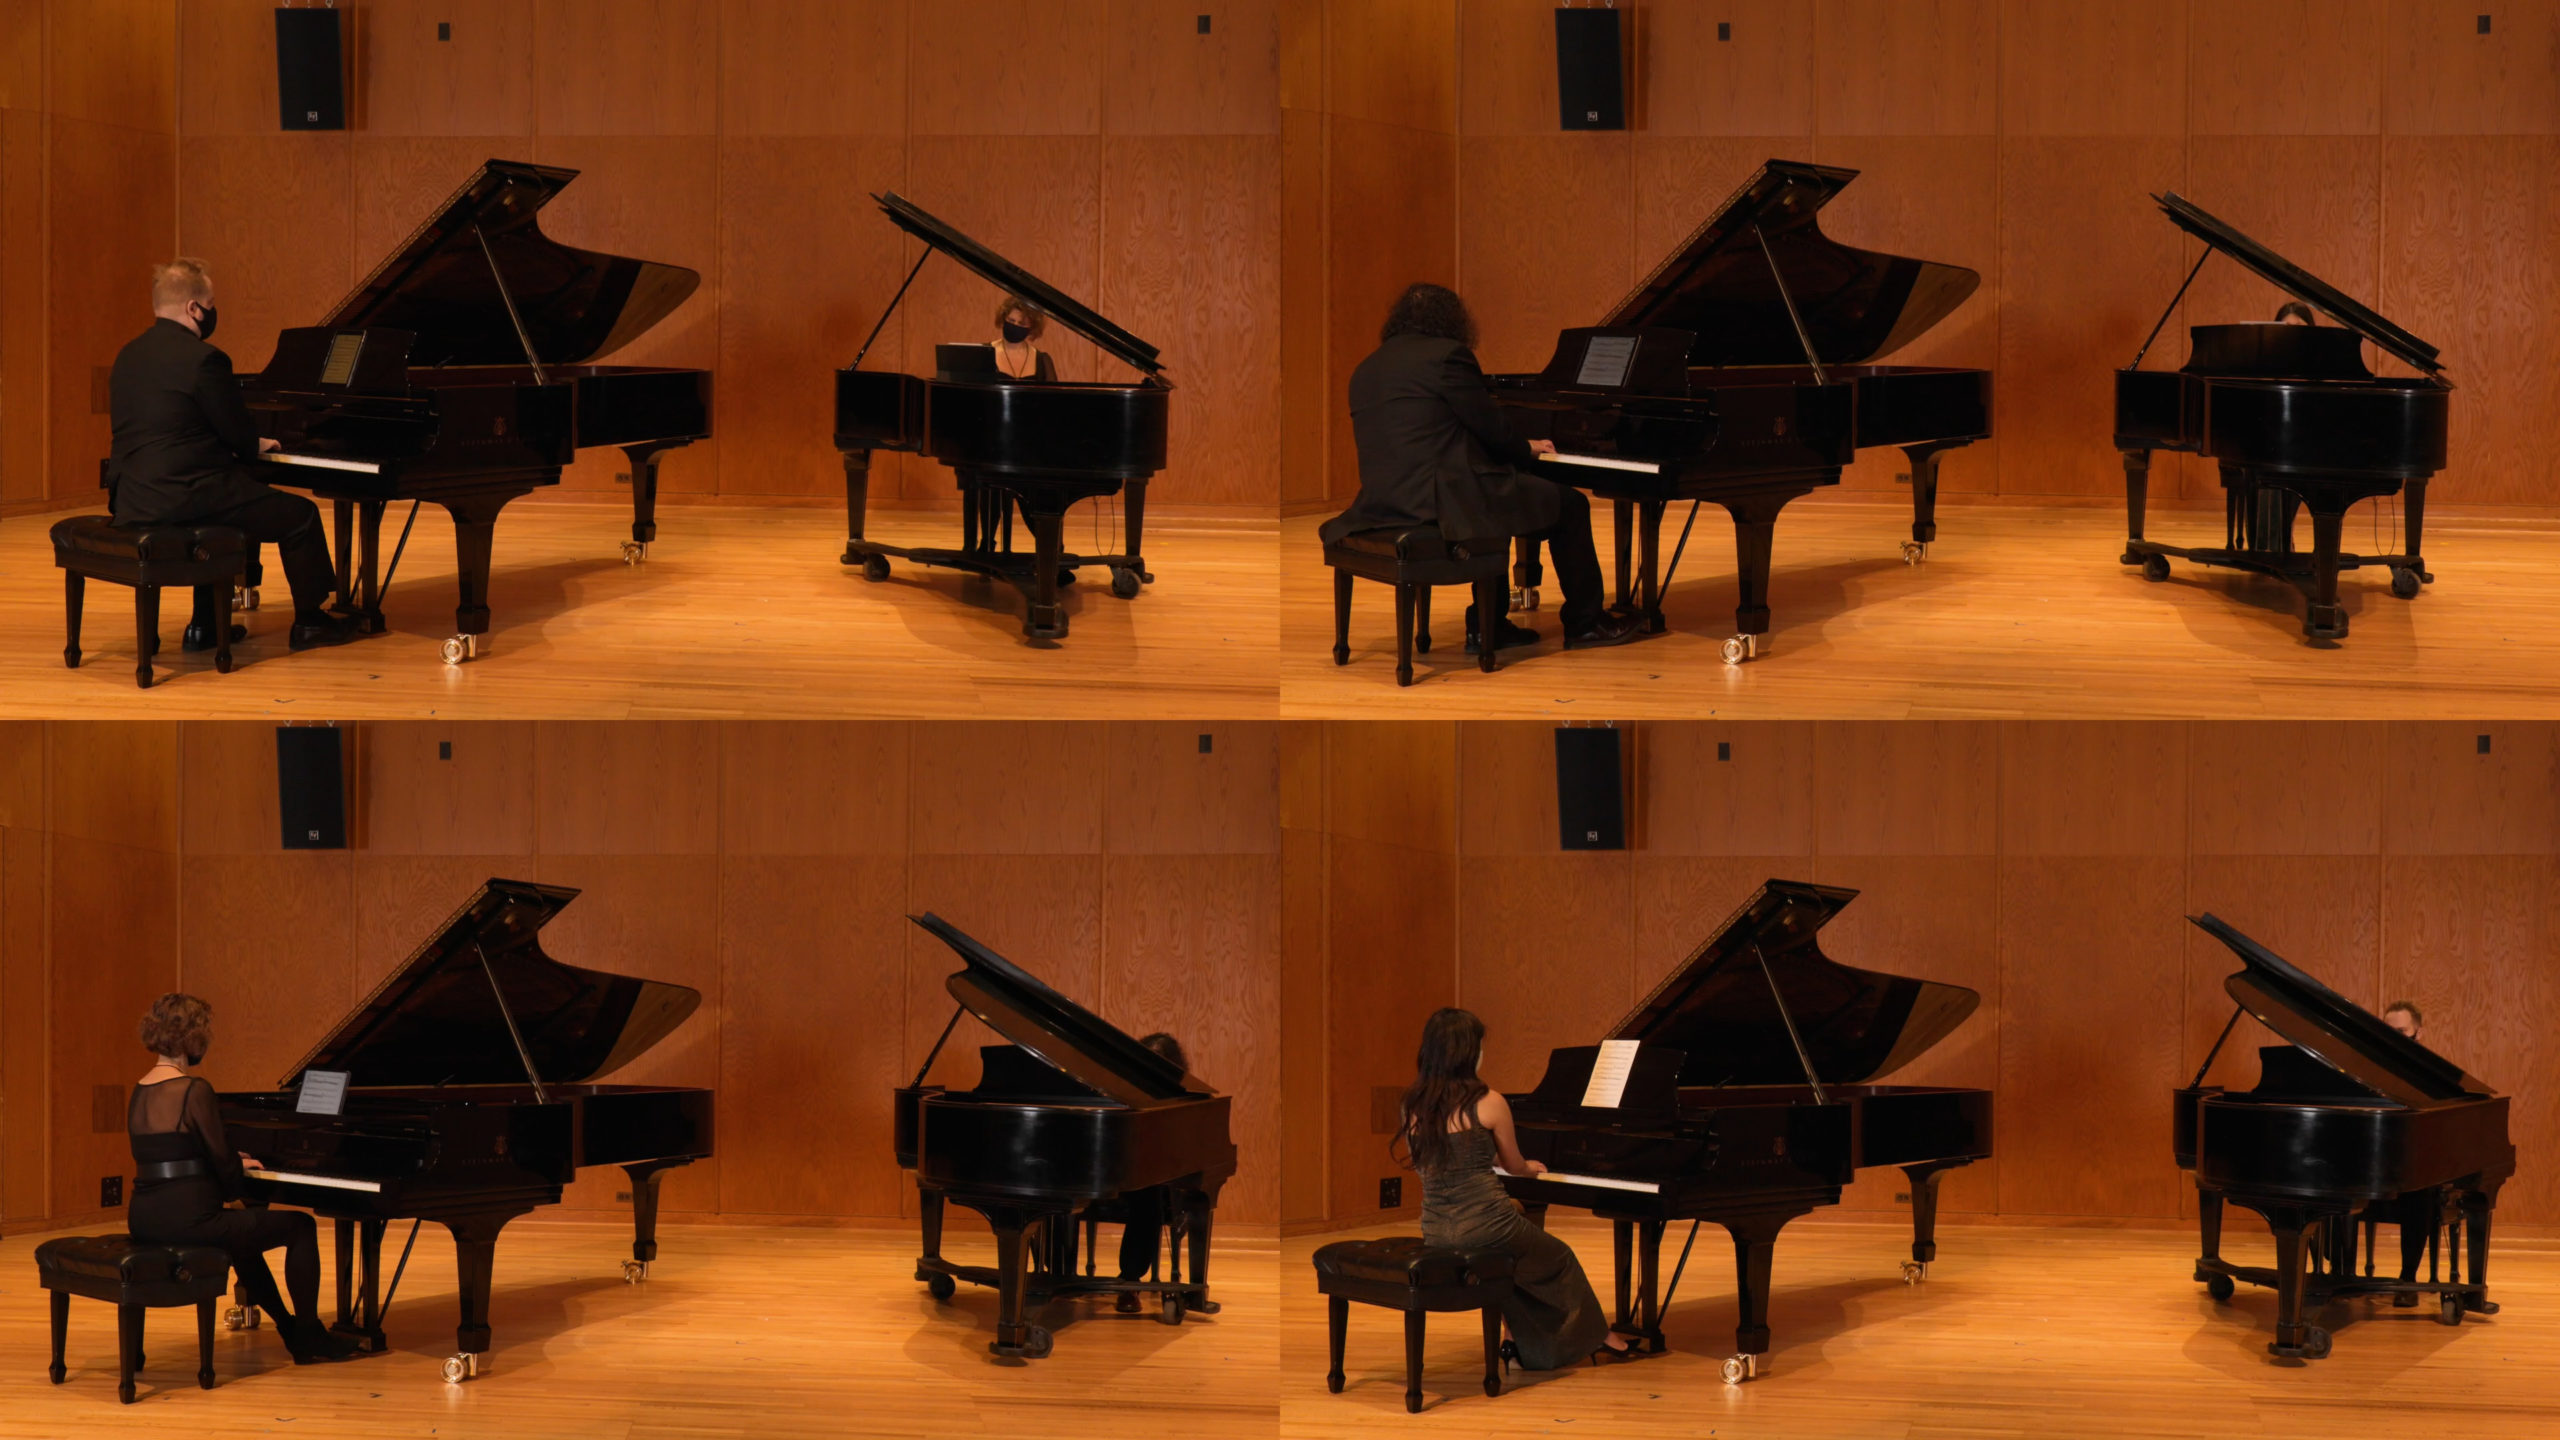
{"points": [[633, 552], [458, 1368], [1914, 1271], [1738, 1368], [1914, 551], [458, 648], [634, 1271], [1738, 648]]}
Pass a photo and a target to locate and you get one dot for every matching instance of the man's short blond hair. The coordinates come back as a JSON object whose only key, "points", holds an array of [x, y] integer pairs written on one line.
{"points": [[178, 281]]}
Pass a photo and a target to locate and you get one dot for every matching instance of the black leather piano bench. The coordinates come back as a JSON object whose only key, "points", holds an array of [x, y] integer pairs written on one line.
{"points": [[133, 1277], [1403, 1273], [1414, 561], [147, 557]]}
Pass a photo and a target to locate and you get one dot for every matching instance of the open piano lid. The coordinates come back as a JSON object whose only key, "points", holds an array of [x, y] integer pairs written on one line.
{"points": [[1857, 1025], [577, 305], [1055, 1029], [2334, 1029], [435, 1021], [1858, 305], [2297, 282], [996, 270]]}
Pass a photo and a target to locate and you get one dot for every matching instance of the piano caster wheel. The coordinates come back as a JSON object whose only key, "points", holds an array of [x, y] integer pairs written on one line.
{"points": [[875, 568], [634, 1271], [458, 648], [1738, 1368], [458, 1368], [1169, 1310], [941, 1287], [1913, 1272], [1739, 648], [1036, 1344], [2315, 1343], [633, 552], [2220, 1288], [244, 597], [2404, 583], [2155, 568], [240, 1317], [1524, 597], [2449, 1309], [1913, 552], [1124, 583]]}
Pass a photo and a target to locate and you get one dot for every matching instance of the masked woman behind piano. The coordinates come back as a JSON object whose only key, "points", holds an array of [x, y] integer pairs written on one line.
{"points": [[1456, 1128], [1017, 326], [185, 1168]]}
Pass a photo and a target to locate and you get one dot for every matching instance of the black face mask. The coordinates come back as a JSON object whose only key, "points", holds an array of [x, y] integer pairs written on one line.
{"points": [[204, 324], [1016, 334]]}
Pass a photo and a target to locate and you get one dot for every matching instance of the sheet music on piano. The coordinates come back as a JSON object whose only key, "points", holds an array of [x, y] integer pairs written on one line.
{"points": [[1609, 1071]]}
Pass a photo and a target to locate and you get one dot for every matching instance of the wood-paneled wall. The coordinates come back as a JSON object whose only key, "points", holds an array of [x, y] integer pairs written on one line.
{"points": [[2046, 865], [1110, 146], [768, 866], [2385, 144]]}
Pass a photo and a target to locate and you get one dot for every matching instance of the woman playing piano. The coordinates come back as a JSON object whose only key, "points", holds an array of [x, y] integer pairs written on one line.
{"points": [[1017, 326], [1456, 1129], [184, 1169]]}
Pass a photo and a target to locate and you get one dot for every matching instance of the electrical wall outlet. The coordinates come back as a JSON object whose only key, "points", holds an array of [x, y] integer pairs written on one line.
{"points": [[1901, 1197], [110, 1191], [1391, 1193]]}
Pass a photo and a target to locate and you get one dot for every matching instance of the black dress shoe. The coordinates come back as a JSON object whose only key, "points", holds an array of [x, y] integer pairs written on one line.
{"points": [[1609, 629], [200, 637], [326, 630], [1513, 637]]}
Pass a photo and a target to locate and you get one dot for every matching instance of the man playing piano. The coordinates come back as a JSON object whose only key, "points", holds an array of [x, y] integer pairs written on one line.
{"points": [[183, 443], [1435, 450]]}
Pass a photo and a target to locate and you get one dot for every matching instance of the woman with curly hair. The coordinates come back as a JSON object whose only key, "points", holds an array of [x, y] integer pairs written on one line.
{"points": [[185, 1168], [1017, 325]]}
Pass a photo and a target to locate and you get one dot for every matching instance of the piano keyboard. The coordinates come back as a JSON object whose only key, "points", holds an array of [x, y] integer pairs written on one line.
{"points": [[1645, 1187], [324, 462], [1605, 462], [325, 1182]]}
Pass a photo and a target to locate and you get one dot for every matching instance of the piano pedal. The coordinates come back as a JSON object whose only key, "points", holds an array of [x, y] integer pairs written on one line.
{"points": [[1913, 1272], [458, 648], [1739, 648], [634, 1271], [458, 1368], [1738, 1368], [1524, 598], [1913, 552], [244, 597], [633, 552]]}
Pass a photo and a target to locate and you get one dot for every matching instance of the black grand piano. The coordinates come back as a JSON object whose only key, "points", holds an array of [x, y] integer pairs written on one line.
{"points": [[1032, 446], [1071, 1114], [2347, 1116], [470, 1099], [2296, 422], [461, 371], [1742, 1091], [1742, 371]]}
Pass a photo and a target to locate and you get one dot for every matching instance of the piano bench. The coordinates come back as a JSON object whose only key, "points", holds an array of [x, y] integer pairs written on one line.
{"points": [[1414, 560], [1403, 1273], [133, 1277], [147, 557]]}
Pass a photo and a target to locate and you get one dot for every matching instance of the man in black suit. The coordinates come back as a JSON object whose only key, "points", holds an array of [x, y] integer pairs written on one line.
{"points": [[1435, 450], [183, 443]]}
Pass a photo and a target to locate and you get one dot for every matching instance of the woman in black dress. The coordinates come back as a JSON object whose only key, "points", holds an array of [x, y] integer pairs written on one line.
{"points": [[185, 1168], [1456, 1129]]}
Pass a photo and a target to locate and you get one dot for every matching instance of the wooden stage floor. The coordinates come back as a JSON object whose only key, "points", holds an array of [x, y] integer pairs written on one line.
{"points": [[2018, 611], [739, 1331], [738, 611], [2026, 1332]]}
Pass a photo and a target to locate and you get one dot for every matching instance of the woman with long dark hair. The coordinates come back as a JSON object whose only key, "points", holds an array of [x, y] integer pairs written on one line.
{"points": [[1456, 1128]]}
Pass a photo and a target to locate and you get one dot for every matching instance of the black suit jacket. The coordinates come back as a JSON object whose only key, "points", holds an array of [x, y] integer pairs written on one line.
{"points": [[183, 435], [1435, 450]]}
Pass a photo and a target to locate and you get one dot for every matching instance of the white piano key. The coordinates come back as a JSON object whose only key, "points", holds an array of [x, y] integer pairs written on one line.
{"points": [[325, 1182], [322, 462], [1605, 462], [1644, 1187]]}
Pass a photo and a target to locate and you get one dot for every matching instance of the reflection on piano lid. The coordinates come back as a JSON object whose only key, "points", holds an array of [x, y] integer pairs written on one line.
{"points": [[1056, 1030], [1855, 1025], [2334, 1029], [574, 305], [1855, 305], [2292, 279], [436, 1021], [996, 270]]}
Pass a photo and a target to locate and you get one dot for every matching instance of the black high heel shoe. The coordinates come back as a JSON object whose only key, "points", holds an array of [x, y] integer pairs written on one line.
{"points": [[1510, 1354], [312, 1343]]}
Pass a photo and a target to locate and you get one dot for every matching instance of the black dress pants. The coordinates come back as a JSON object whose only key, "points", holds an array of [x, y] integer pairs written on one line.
{"points": [[267, 516], [1576, 560]]}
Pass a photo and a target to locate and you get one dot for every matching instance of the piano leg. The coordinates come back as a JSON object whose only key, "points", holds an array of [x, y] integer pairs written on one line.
{"points": [[2325, 619], [644, 490], [929, 1221], [368, 576], [2476, 1205], [857, 501], [1197, 1208], [1046, 619], [2137, 490], [1924, 1179], [2413, 506], [1622, 1243], [1924, 489], [1649, 1282], [645, 1176], [1134, 527], [369, 1295], [343, 516], [1755, 1241], [2209, 1227], [344, 1234], [1622, 516], [1755, 524], [475, 1253], [1649, 565], [1014, 1337], [475, 524], [2293, 1227]]}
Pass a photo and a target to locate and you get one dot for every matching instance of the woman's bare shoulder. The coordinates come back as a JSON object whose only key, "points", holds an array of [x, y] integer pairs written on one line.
{"points": [[1493, 1107]]}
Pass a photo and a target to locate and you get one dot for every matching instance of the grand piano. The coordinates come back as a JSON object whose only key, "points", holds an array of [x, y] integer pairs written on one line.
{"points": [[470, 1099], [1742, 1091], [2348, 1114], [1742, 370], [1013, 444], [2295, 421], [462, 371], [1071, 1114]]}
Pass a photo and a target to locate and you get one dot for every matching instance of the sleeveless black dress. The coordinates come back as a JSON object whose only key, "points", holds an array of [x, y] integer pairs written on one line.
{"points": [[1554, 1317]]}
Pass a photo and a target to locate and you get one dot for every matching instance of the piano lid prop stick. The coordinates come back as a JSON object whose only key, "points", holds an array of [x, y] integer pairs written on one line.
{"points": [[403, 1268], [1802, 338], [507, 298], [937, 1043], [1668, 575], [2173, 309], [2217, 1047], [508, 1014], [1676, 1271], [1819, 1098], [893, 306], [397, 549]]}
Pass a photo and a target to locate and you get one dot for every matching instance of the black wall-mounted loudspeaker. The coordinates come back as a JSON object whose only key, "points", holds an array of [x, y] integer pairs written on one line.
{"points": [[1591, 796], [311, 70], [1591, 88], [311, 786]]}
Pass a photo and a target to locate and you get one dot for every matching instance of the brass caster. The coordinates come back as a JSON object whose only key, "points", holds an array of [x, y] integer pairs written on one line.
{"points": [[458, 1368], [1913, 552], [1913, 1272], [458, 648], [635, 1271], [633, 552], [1738, 1368], [1738, 648]]}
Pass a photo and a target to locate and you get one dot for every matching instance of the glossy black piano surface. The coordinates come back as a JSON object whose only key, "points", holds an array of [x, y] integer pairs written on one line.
{"points": [[2295, 420], [1742, 371], [472, 1099], [1027, 446], [2347, 1114], [1072, 1112], [462, 371], [1753, 1101]]}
